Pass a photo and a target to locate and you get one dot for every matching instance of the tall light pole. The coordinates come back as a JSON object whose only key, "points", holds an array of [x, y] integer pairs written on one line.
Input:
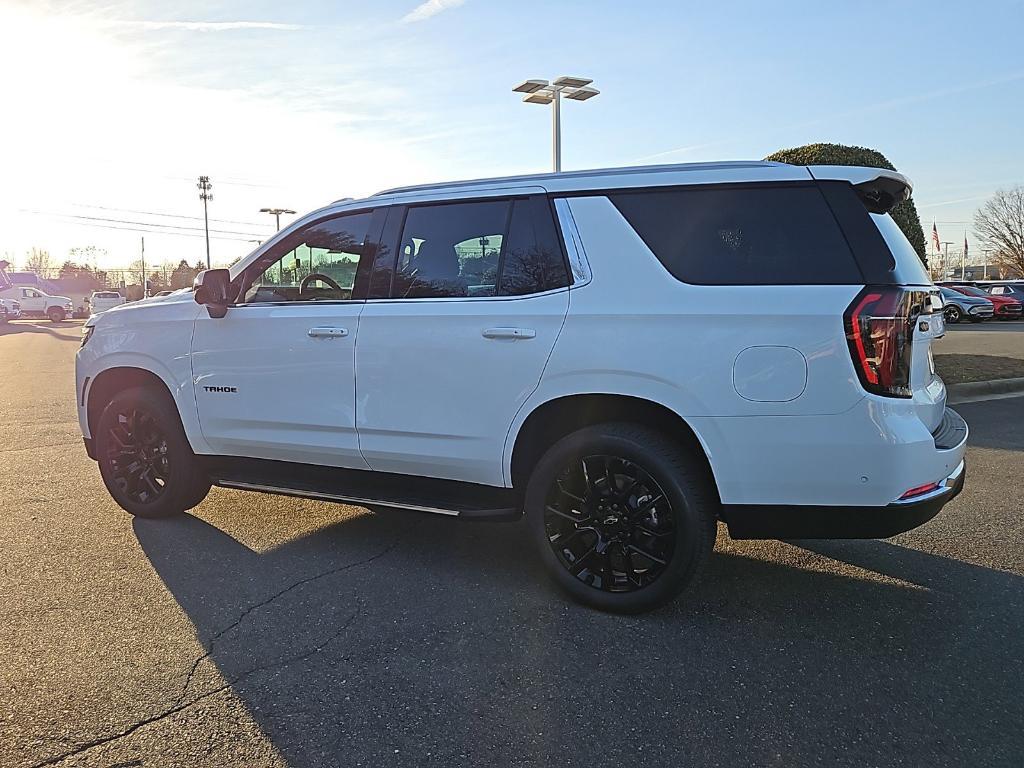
{"points": [[276, 213], [205, 194], [945, 259], [543, 92]]}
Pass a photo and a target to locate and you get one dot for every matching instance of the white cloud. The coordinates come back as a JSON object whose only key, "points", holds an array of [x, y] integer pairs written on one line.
{"points": [[208, 26], [430, 8]]}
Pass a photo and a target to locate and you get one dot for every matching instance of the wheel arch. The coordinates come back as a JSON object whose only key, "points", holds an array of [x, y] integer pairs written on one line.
{"points": [[557, 417], [110, 381]]}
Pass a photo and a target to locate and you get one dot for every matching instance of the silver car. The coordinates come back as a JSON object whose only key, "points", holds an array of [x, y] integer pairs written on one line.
{"points": [[958, 306]]}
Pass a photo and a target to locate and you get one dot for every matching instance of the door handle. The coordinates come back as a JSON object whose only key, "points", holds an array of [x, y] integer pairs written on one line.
{"points": [[325, 332], [509, 333]]}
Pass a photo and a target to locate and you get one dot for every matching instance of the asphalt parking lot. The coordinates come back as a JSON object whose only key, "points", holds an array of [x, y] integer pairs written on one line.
{"points": [[267, 631]]}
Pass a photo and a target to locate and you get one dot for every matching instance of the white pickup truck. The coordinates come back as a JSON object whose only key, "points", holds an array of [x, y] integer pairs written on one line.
{"points": [[34, 303]]}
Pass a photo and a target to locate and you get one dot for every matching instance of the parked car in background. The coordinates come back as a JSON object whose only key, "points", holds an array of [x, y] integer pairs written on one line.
{"points": [[959, 306], [101, 301], [10, 309], [1013, 291], [1004, 307], [745, 342]]}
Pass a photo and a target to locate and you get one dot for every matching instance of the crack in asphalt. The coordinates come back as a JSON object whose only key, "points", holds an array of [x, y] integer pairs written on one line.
{"points": [[180, 705], [242, 616]]}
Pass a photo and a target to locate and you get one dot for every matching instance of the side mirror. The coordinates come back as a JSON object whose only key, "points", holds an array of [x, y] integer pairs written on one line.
{"points": [[212, 287]]}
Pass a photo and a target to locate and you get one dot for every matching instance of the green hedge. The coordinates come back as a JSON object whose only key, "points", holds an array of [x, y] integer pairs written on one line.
{"points": [[904, 214]]}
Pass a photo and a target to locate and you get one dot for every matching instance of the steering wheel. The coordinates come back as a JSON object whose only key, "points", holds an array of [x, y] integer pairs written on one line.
{"points": [[317, 276]]}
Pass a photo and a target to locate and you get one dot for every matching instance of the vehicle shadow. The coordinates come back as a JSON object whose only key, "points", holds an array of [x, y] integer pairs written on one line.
{"points": [[72, 331], [417, 640]]}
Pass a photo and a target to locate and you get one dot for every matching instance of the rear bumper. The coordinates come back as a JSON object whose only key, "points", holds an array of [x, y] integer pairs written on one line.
{"points": [[756, 521]]}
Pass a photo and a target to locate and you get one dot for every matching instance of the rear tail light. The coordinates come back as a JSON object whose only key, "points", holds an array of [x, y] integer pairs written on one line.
{"points": [[880, 333]]}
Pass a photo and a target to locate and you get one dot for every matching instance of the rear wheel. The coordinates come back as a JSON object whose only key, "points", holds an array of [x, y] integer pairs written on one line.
{"points": [[56, 314], [145, 459], [953, 314], [623, 517]]}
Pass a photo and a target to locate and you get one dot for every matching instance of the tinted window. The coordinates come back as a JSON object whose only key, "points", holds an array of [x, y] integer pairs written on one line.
{"points": [[533, 260], [296, 269], [450, 250], [757, 235]]}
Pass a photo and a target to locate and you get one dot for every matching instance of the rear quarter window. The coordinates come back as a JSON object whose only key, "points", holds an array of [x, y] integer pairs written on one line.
{"points": [[754, 235]]}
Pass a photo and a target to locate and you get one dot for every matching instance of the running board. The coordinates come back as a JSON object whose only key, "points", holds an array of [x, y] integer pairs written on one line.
{"points": [[364, 488]]}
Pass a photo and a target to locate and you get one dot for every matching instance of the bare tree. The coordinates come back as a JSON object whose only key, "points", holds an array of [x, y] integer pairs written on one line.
{"points": [[1000, 223], [38, 260]]}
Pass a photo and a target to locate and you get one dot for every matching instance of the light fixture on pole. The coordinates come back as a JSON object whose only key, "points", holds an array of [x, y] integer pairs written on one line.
{"points": [[276, 213], [543, 92]]}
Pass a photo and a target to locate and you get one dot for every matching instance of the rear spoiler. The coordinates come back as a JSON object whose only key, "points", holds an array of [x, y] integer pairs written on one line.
{"points": [[879, 189]]}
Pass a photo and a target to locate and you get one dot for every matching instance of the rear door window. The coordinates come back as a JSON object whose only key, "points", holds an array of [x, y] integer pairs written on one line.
{"points": [[752, 235], [479, 249]]}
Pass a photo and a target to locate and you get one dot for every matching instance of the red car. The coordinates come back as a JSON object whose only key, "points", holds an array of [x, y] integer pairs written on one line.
{"points": [[1005, 307]]}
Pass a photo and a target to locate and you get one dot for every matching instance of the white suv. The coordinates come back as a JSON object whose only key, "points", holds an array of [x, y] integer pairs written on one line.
{"points": [[622, 357]]}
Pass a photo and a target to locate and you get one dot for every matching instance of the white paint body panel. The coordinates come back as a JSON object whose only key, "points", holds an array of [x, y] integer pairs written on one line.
{"points": [[438, 389], [295, 398]]}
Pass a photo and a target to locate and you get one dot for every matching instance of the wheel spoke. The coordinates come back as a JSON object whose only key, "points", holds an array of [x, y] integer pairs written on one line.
{"points": [[577, 566], [609, 476], [562, 489], [567, 515], [648, 555]]}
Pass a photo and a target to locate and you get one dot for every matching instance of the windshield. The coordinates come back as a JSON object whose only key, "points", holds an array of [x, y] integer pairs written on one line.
{"points": [[970, 290]]}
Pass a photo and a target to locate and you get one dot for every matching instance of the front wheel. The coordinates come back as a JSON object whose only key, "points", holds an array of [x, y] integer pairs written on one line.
{"points": [[145, 459], [624, 518], [953, 314]]}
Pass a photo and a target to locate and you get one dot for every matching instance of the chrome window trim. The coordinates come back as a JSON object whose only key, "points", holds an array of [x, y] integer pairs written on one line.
{"points": [[573, 244]]}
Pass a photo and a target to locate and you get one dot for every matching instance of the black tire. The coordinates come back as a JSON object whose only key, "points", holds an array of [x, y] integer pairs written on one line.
{"points": [[56, 314], [145, 459], [684, 521], [953, 313]]}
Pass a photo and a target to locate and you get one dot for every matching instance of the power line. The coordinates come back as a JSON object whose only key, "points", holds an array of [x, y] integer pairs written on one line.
{"points": [[172, 215], [143, 223], [144, 227]]}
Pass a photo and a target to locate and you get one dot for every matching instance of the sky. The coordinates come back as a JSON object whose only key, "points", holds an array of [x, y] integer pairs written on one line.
{"points": [[111, 110]]}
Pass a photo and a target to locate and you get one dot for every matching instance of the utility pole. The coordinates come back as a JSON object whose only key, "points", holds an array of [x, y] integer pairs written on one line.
{"points": [[206, 195], [145, 293]]}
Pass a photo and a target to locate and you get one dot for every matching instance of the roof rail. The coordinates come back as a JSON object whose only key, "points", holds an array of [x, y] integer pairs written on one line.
{"points": [[535, 177]]}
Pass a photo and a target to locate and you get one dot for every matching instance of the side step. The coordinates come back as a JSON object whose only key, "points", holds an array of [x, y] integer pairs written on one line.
{"points": [[364, 488]]}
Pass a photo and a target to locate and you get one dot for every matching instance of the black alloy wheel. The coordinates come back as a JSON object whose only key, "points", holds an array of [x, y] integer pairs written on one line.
{"points": [[623, 515], [145, 458], [137, 451], [610, 524], [952, 313]]}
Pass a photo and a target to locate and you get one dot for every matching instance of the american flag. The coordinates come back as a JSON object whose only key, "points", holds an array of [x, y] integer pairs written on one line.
{"points": [[965, 247], [935, 239]]}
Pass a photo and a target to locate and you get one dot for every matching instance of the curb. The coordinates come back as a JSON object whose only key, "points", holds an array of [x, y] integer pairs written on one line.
{"points": [[973, 390]]}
